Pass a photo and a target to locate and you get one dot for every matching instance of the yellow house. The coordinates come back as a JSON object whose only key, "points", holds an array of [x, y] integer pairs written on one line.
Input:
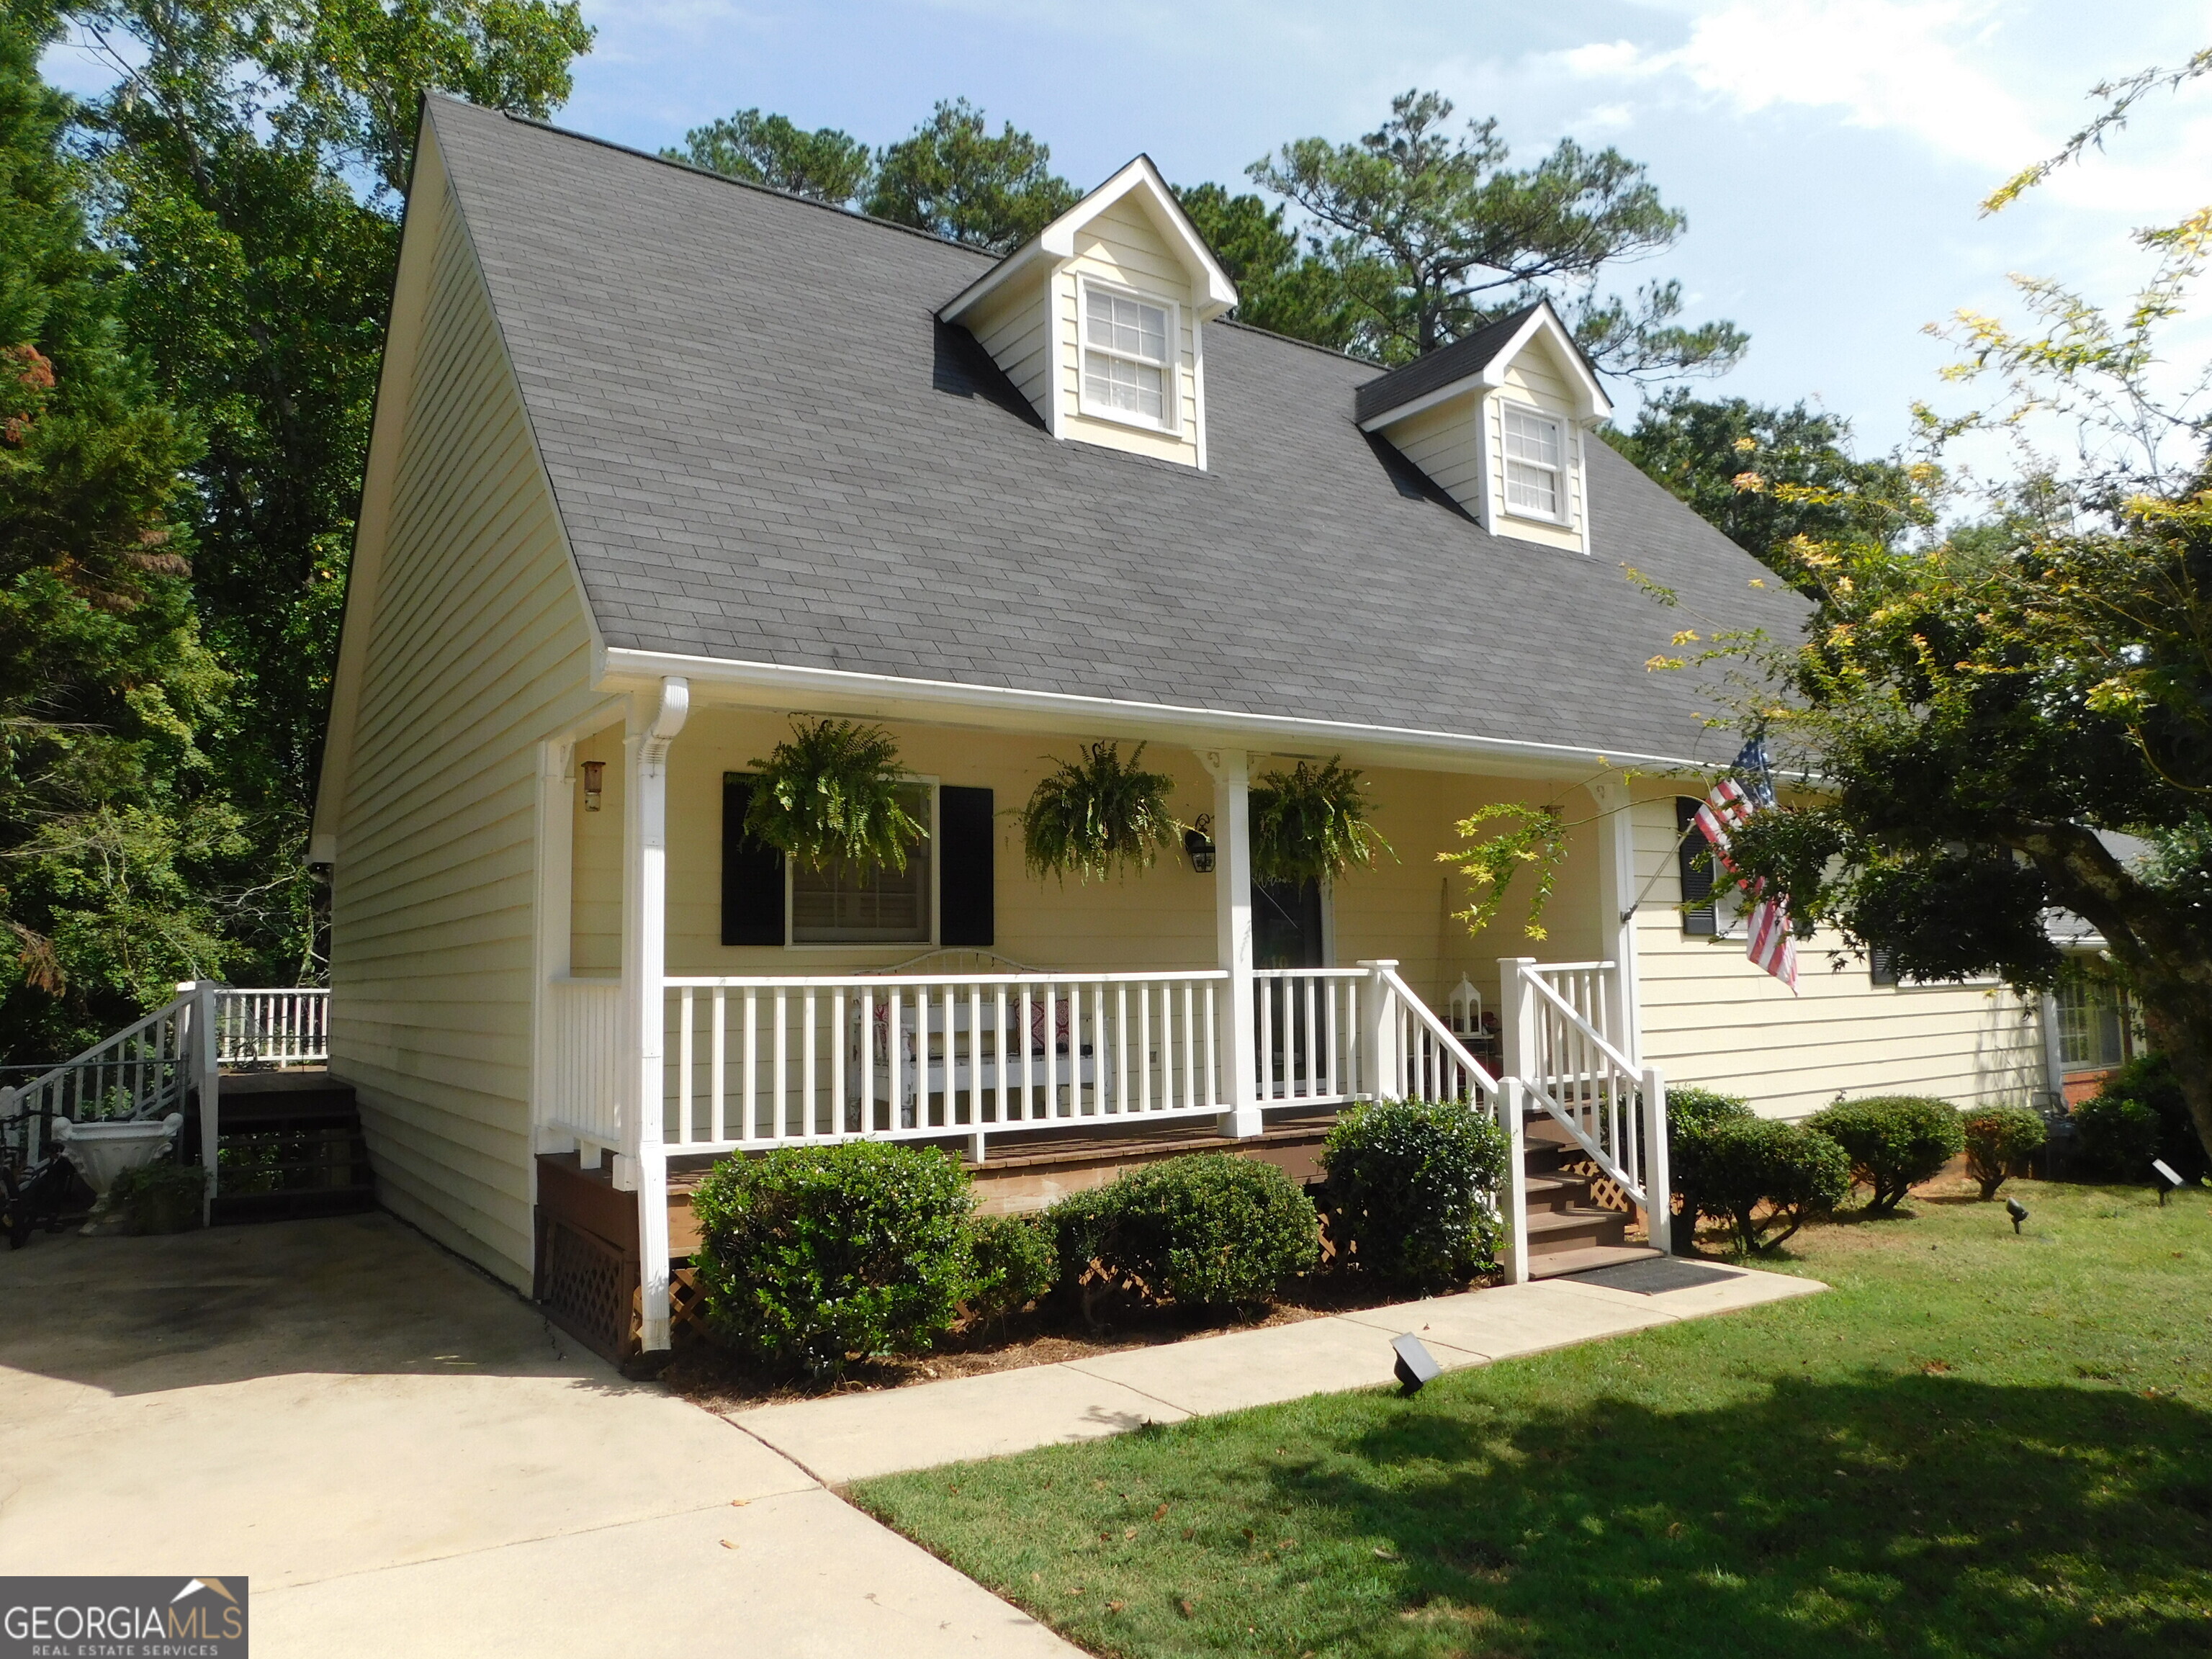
{"points": [[662, 461]]}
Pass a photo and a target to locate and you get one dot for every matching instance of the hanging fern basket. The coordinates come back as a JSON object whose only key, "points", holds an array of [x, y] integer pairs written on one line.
{"points": [[1099, 816], [833, 793], [1311, 824]]}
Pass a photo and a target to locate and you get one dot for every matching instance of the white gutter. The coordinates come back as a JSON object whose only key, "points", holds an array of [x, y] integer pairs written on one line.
{"points": [[844, 691]]}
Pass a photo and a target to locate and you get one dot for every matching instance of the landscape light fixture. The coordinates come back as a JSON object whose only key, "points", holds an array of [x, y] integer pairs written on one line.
{"points": [[595, 783], [1417, 1367], [2017, 1211], [2169, 1179], [1198, 842]]}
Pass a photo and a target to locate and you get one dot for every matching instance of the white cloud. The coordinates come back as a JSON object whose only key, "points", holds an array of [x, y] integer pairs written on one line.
{"points": [[1908, 67]]}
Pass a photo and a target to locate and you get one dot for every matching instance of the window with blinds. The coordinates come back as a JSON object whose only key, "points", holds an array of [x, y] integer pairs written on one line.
{"points": [[2092, 1024], [850, 904], [1124, 357]]}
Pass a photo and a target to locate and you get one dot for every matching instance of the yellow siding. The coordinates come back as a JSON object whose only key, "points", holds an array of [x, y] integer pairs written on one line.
{"points": [[1121, 246], [1441, 441], [1012, 326], [477, 649], [1163, 918], [1712, 1019]]}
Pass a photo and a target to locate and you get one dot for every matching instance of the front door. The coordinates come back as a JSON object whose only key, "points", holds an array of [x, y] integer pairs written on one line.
{"points": [[1287, 932]]}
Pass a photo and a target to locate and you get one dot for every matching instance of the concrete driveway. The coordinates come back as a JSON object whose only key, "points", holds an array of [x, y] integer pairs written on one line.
{"points": [[403, 1457]]}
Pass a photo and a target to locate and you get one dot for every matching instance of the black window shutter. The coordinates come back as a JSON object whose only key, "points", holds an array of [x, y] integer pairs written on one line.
{"points": [[1694, 856], [966, 845], [1881, 966], [752, 873]]}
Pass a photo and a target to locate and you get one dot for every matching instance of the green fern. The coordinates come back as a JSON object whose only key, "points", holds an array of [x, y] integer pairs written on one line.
{"points": [[1099, 815], [1310, 823], [831, 794]]}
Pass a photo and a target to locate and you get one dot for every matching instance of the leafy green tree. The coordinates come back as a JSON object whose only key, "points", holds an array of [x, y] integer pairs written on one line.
{"points": [[1281, 285], [1979, 709], [1761, 474], [1432, 236], [953, 179], [109, 830], [249, 165], [827, 164]]}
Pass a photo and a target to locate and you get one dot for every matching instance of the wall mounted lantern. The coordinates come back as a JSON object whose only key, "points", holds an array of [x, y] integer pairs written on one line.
{"points": [[1199, 843], [595, 781]]}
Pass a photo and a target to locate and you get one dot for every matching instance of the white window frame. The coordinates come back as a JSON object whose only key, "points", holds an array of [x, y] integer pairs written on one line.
{"points": [[793, 942], [1171, 389], [1569, 434]]}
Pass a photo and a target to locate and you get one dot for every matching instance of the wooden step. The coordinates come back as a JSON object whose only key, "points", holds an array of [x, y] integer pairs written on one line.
{"points": [[1582, 1221], [1558, 1264], [292, 1148]]}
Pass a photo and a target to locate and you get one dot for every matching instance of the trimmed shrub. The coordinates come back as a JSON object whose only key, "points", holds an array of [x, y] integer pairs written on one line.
{"points": [[159, 1198], [1692, 1114], [2118, 1136], [1015, 1265], [1893, 1141], [1796, 1171], [1208, 1230], [817, 1256], [1412, 1188], [2139, 1114], [1998, 1141]]}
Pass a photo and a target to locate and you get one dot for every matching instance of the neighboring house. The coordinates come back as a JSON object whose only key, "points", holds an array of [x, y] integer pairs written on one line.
{"points": [[661, 459]]}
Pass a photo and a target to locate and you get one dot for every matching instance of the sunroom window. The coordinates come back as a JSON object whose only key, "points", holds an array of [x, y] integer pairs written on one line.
{"points": [[1534, 472], [1125, 355]]}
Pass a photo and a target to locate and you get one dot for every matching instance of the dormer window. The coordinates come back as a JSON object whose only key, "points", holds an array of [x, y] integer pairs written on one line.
{"points": [[1124, 357], [1535, 484]]}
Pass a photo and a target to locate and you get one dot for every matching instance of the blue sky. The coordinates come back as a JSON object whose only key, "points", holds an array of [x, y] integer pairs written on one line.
{"points": [[1829, 154]]}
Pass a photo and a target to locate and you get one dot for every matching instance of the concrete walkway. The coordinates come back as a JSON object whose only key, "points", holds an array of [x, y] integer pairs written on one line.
{"points": [[402, 1459], [852, 1436]]}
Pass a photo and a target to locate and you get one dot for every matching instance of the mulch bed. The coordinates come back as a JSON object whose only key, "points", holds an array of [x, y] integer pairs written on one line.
{"points": [[710, 1375]]}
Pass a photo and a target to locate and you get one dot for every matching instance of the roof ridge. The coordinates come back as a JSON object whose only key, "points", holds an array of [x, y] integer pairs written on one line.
{"points": [[708, 173]]}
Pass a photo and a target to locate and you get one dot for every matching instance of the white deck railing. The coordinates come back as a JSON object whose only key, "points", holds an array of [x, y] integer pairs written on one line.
{"points": [[257, 1027], [1430, 1060], [768, 1061], [152, 1067]]}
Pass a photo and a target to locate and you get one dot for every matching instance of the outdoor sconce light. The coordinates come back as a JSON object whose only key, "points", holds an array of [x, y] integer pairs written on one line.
{"points": [[1199, 843], [595, 783], [1416, 1366]]}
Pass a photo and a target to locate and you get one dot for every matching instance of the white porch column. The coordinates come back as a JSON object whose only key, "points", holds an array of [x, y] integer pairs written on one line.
{"points": [[1617, 888], [1517, 1031], [1232, 911], [655, 721]]}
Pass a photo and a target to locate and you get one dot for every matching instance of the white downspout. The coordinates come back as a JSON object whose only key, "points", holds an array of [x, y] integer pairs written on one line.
{"points": [[653, 724]]}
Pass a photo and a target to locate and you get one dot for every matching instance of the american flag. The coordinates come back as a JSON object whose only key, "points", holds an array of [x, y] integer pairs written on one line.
{"points": [[1745, 788]]}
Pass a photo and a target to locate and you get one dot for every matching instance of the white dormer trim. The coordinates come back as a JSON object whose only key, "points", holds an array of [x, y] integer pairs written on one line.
{"points": [[1211, 292], [1592, 406]]}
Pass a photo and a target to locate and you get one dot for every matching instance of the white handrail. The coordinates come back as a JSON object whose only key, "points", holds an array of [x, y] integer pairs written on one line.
{"points": [[1456, 1051], [1589, 1032], [143, 1070]]}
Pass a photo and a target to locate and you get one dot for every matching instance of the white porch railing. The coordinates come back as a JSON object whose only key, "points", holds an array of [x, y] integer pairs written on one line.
{"points": [[1306, 1027], [1560, 1049], [582, 1083], [768, 1061]]}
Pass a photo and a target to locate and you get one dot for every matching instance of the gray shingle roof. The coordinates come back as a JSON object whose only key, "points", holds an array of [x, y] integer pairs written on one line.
{"points": [[765, 448], [1439, 367]]}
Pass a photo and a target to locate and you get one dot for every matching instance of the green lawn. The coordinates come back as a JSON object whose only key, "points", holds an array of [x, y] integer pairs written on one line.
{"points": [[1976, 1443]]}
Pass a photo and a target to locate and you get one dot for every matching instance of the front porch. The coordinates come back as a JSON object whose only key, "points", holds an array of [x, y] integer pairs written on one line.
{"points": [[1077, 1030]]}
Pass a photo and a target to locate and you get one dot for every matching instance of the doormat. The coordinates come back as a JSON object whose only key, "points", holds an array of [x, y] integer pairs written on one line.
{"points": [[1654, 1274]]}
